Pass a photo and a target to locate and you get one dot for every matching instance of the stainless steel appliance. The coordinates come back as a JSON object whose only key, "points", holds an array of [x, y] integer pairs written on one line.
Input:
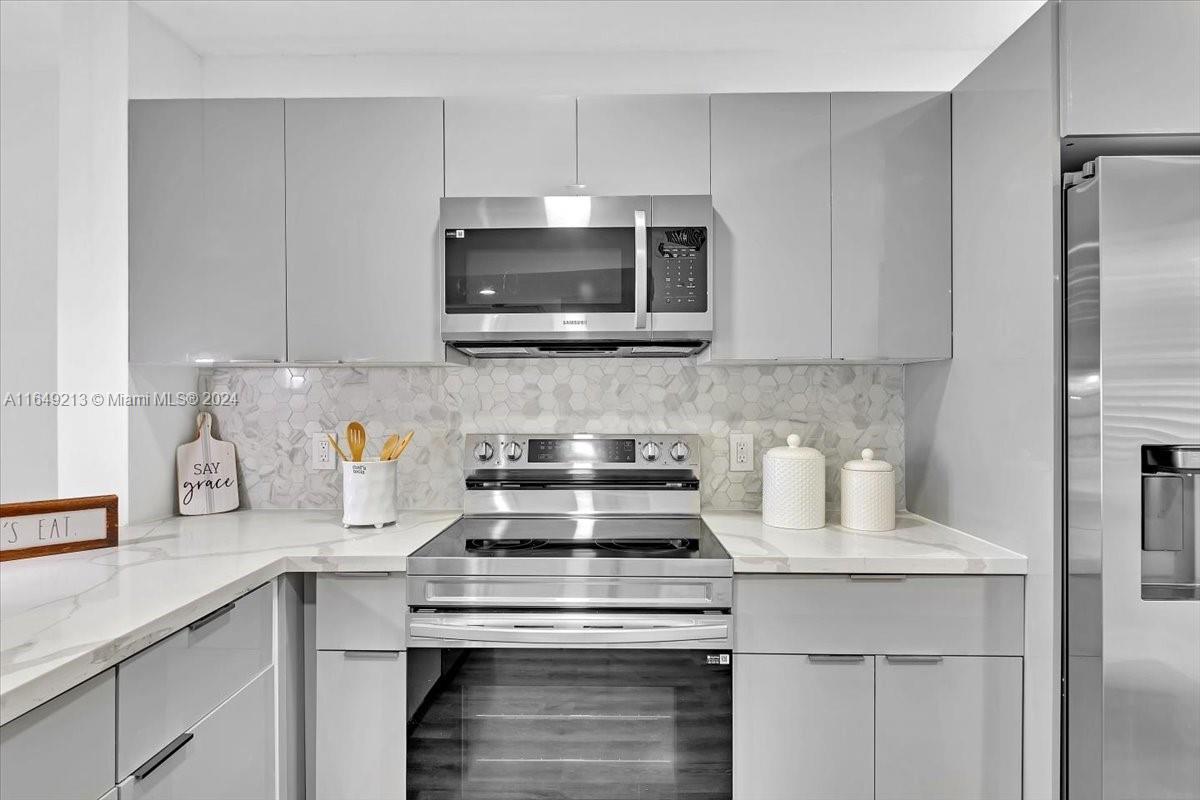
{"points": [[571, 635], [1132, 608], [577, 275]]}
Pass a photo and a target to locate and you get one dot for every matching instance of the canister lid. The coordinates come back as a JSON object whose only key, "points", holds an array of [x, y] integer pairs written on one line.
{"points": [[867, 463], [795, 451]]}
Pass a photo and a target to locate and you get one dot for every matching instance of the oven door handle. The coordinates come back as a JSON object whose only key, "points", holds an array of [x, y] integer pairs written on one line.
{"points": [[640, 292], [592, 633]]}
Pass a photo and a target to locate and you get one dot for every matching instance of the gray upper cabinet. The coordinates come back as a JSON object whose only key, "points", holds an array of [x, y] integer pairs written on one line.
{"points": [[947, 729], [643, 144], [770, 190], [206, 240], [891, 226], [363, 180], [1129, 67], [510, 146], [803, 727]]}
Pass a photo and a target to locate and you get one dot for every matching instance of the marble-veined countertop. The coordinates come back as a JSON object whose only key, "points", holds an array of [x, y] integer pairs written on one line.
{"points": [[66, 618]]}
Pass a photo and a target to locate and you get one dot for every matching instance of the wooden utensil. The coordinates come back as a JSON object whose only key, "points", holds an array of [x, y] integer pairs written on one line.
{"points": [[356, 437], [388, 446], [333, 441], [398, 450]]}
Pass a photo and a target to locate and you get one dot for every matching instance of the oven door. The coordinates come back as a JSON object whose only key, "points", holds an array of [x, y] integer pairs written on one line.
{"points": [[582, 711], [544, 267]]}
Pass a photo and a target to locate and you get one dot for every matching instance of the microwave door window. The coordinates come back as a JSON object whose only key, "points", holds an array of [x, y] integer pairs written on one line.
{"points": [[539, 270]]}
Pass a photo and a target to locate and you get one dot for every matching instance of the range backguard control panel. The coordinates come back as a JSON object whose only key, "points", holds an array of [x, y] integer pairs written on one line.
{"points": [[678, 269]]}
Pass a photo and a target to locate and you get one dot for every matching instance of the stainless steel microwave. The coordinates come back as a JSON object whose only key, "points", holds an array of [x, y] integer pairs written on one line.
{"points": [[577, 275]]}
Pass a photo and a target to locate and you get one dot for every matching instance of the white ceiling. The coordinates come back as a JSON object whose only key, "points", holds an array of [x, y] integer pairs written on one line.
{"points": [[345, 27]]}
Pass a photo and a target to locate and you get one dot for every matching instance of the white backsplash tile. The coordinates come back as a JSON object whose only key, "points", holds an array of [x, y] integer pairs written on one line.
{"points": [[837, 409]]}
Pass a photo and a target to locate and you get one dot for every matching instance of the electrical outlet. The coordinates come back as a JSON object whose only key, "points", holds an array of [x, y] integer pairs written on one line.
{"points": [[322, 452], [741, 452]]}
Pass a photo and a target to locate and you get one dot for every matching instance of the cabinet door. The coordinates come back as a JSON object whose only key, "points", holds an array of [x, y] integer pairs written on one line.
{"points": [[891, 225], [644, 144], [363, 180], [947, 728], [770, 190], [230, 754], [361, 725], [64, 749], [1130, 67], [510, 146], [206, 241], [802, 727]]}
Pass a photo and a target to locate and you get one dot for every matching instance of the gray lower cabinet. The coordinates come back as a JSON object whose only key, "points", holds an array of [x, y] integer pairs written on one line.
{"points": [[1129, 67], [510, 146], [891, 225], [803, 727], [948, 728], [206, 237], [360, 611], [770, 194], [644, 144], [228, 755], [64, 749], [363, 180], [361, 725], [112, 794]]}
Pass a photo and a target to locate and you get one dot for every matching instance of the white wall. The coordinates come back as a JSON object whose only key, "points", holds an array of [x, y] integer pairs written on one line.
{"points": [[160, 65], [981, 429], [28, 266], [93, 248]]}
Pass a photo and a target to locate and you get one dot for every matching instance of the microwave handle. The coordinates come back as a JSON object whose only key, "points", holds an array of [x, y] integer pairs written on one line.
{"points": [[640, 298]]}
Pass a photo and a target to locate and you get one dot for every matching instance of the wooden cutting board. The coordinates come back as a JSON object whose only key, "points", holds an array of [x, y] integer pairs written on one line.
{"points": [[207, 472]]}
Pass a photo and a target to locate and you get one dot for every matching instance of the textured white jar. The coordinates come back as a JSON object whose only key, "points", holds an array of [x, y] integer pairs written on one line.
{"points": [[368, 493], [793, 486], [868, 494]]}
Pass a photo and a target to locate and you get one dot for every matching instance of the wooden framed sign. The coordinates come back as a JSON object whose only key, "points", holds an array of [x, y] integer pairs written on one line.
{"points": [[46, 527]]}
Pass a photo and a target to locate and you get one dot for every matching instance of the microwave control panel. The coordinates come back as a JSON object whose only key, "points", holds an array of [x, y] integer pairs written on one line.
{"points": [[678, 269]]}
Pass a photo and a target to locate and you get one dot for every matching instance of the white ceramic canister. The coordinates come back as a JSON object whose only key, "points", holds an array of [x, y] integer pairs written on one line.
{"points": [[868, 494], [368, 492], [793, 486]]}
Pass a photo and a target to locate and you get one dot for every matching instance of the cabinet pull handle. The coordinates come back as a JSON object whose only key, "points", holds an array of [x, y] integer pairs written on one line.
{"points": [[207, 618], [640, 284], [870, 576], [914, 659], [831, 659], [371, 653], [362, 574], [158, 758]]}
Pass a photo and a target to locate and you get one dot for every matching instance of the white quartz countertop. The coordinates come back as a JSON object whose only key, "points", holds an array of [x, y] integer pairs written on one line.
{"points": [[917, 546], [66, 618]]}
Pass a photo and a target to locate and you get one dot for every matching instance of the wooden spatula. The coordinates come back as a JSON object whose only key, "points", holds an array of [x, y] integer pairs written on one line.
{"points": [[388, 447], [356, 437], [398, 450]]}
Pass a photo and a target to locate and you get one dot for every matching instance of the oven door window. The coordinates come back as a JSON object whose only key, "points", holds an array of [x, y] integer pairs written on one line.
{"points": [[573, 724], [539, 270]]}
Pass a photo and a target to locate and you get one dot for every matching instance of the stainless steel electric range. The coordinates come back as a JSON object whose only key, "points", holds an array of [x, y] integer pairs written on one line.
{"points": [[571, 635]]}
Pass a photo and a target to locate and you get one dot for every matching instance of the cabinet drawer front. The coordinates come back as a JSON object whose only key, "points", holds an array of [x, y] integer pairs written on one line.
{"points": [[360, 611], [169, 687], [230, 754], [361, 725], [63, 749], [938, 614]]}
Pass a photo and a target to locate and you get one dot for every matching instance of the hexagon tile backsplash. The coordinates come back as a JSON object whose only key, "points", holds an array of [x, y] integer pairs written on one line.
{"points": [[837, 409]]}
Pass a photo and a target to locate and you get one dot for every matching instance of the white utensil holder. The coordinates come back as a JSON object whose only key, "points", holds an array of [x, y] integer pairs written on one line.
{"points": [[368, 493]]}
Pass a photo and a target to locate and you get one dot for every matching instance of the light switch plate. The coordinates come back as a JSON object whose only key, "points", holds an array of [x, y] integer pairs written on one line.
{"points": [[322, 456], [741, 452]]}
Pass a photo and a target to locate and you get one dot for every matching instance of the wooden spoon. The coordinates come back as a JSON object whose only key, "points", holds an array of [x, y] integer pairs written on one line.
{"points": [[399, 449], [356, 437], [388, 446], [333, 441]]}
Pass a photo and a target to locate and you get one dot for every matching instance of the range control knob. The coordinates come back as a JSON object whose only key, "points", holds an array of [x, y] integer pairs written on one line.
{"points": [[650, 451], [680, 452], [512, 451], [484, 451]]}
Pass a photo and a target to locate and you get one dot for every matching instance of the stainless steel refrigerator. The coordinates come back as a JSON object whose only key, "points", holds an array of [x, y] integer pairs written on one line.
{"points": [[1132, 621]]}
